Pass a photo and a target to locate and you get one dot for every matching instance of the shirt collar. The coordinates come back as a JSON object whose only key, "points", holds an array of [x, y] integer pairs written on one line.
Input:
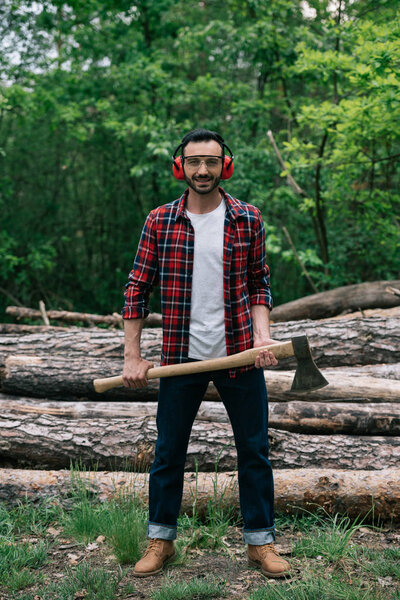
{"points": [[233, 207]]}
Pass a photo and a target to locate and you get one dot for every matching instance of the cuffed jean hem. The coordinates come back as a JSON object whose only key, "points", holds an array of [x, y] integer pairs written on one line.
{"points": [[259, 537], [163, 532]]}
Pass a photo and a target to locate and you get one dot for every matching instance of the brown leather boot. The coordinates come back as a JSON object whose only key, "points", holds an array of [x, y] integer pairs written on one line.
{"points": [[157, 554], [267, 557]]}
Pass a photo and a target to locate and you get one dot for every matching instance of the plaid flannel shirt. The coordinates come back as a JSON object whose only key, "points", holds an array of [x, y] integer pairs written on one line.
{"points": [[165, 257]]}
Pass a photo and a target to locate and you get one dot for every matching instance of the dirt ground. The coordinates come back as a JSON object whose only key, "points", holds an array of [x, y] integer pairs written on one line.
{"points": [[228, 564], [241, 578]]}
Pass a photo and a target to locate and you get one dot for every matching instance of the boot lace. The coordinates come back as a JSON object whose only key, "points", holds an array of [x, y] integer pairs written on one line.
{"points": [[154, 546], [266, 548]]}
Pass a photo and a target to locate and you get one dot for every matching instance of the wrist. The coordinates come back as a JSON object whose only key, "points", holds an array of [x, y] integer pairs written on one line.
{"points": [[262, 341], [132, 355]]}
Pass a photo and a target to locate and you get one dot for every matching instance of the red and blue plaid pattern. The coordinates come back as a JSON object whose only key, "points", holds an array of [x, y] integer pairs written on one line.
{"points": [[165, 257]]}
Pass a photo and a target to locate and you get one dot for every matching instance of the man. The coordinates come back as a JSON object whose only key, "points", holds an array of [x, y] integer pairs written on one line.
{"points": [[207, 252]]}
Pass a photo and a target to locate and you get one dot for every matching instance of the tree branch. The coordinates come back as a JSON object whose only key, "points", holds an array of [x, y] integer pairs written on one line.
{"points": [[289, 177]]}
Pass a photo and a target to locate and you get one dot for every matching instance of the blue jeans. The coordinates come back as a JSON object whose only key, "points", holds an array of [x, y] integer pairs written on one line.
{"points": [[245, 399]]}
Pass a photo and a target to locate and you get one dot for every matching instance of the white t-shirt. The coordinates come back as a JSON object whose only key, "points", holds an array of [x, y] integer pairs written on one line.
{"points": [[207, 312]]}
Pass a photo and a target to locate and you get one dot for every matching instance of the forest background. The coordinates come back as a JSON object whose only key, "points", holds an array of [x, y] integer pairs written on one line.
{"points": [[96, 95]]}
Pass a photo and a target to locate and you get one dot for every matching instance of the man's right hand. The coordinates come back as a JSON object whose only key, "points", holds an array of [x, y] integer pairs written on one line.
{"points": [[135, 370]]}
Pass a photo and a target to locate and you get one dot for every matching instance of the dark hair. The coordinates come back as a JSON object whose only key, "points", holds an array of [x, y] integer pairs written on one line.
{"points": [[202, 135]]}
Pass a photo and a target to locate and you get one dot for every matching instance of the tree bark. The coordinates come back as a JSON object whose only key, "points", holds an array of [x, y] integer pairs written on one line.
{"points": [[298, 417], [337, 491], [62, 377], [52, 441], [23, 328], [334, 418], [346, 342], [22, 312], [335, 342], [348, 298], [384, 370]]}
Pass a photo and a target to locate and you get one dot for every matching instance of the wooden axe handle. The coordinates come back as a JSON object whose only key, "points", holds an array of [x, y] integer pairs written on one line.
{"points": [[241, 359]]}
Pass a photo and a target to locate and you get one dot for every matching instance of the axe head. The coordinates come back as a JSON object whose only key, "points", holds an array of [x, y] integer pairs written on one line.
{"points": [[307, 377]]}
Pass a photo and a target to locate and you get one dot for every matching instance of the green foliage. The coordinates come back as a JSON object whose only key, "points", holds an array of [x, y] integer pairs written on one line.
{"points": [[97, 95]]}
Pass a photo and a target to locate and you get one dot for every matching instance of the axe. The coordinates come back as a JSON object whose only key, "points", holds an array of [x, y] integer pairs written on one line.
{"points": [[307, 377]]}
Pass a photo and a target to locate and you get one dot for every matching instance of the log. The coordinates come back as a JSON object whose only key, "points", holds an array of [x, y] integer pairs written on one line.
{"points": [[19, 329], [28, 339], [115, 320], [353, 493], [65, 377], [209, 411], [335, 342], [377, 312], [343, 387], [334, 418], [346, 342], [298, 417], [23, 328], [74, 341], [349, 298], [44, 440], [384, 370]]}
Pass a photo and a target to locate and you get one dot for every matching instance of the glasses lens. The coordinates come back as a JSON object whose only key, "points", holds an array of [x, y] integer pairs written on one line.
{"points": [[194, 162], [212, 162]]}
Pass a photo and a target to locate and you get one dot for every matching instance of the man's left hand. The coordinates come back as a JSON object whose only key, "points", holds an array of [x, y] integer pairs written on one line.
{"points": [[266, 358]]}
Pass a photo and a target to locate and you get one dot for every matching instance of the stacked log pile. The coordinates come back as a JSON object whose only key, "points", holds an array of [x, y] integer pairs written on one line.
{"points": [[324, 445]]}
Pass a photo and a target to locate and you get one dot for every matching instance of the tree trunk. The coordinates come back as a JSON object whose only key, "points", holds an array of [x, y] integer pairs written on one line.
{"points": [[335, 342], [298, 417], [348, 298], [52, 441], [337, 491], [65, 377]]}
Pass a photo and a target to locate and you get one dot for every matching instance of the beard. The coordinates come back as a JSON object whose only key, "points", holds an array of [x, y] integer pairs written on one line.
{"points": [[203, 185]]}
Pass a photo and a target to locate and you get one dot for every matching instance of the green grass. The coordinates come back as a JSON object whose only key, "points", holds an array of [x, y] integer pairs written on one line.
{"points": [[27, 518], [207, 530], [302, 519], [17, 559], [382, 563], [328, 565], [197, 589], [329, 537], [98, 584], [301, 522], [121, 520], [320, 588]]}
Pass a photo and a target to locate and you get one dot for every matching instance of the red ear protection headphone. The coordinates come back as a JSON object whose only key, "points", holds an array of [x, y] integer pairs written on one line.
{"points": [[227, 167]]}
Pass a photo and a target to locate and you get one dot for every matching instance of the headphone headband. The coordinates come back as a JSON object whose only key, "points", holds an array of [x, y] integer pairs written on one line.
{"points": [[221, 142]]}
